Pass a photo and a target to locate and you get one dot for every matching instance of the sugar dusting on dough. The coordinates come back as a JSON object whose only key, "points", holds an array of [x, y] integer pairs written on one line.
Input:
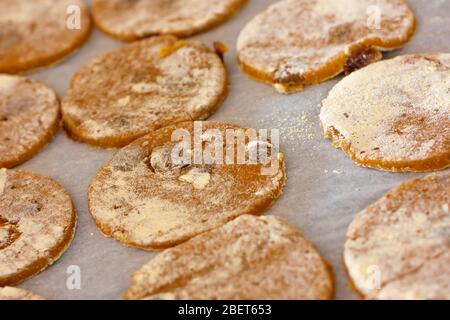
{"points": [[7, 82], [249, 258], [393, 110], [29, 111], [144, 87], [405, 237], [117, 97], [35, 32], [144, 18], [292, 41], [40, 214], [197, 178], [143, 200], [10, 293]]}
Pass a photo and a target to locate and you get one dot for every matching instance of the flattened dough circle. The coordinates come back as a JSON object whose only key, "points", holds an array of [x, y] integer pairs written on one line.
{"points": [[124, 94], [250, 258], [29, 118], [37, 224], [393, 115], [131, 20], [294, 43], [144, 200], [35, 34], [398, 248]]}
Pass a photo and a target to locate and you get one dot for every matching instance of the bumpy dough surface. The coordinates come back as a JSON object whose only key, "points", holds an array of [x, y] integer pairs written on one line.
{"points": [[122, 95], [29, 118], [135, 19], [249, 258], [144, 200], [299, 42], [35, 33], [37, 224], [394, 114], [398, 248], [9, 293]]}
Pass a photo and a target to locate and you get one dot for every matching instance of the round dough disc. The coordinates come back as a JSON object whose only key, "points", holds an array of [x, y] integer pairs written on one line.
{"points": [[398, 248], [29, 118], [9, 293], [393, 115], [144, 199], [294, 43], [124, 94], [250, 258], [37, 224], [35, 34], [131, 20]]}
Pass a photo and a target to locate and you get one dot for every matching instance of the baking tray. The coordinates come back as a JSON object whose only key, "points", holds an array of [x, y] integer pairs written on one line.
{"points": [[324, 189]]}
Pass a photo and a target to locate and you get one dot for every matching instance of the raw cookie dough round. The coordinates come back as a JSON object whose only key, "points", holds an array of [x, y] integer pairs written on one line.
{"points": [[124, 94], [9, 293], [29, 118], [257, 258], [294, 43], [37, 224], [398, 248], [38, 33], [393, 115], [131, 20], [145, 199]]}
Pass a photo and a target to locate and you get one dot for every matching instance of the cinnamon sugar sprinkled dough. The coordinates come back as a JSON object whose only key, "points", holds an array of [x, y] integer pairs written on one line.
{"points": [[35, 33], [131, 20], [37, 224], [144, 200], [249, 258], [29, 118], [398, 248], [393, 115], [301, 42], [9, 293], [124, 94]]}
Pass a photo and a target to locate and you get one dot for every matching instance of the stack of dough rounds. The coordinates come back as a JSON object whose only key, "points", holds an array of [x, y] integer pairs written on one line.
{"points": [[37, 224], [122, 95], [300, 42], [393, 115], [9, 293], [131, 20], [398, 248], [145, 200], [38, 33], [258, 258], [29, 118]]}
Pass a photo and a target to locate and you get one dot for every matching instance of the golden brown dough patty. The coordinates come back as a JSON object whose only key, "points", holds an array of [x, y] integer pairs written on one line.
{"points": [[398, 248], [393, 115], [294, 43], [9, 293], [37, 224], [146, 199], [258, 258], [136, 19], [29, 118], [124, 94], [40, 32]]}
